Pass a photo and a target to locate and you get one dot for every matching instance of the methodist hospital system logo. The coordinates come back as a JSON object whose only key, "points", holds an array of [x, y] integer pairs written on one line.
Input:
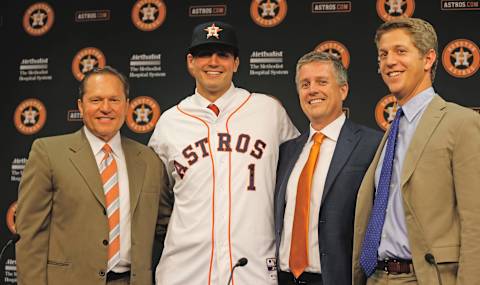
{"points": [[86, 60], [461, 58], [337, 49], [30, 116], [38, 19], [148, 15], [390, 9], [143, 114], [268, 13]]}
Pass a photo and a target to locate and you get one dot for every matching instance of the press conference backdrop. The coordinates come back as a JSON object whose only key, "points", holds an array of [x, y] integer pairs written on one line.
{"points": [[48, 46]]}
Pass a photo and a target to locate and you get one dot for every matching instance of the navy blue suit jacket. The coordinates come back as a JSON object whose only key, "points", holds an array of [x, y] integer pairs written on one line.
{"points": [[353, 153]]}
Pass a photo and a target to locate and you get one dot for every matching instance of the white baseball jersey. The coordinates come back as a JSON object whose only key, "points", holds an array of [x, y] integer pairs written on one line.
{"points": [[223, 174]]}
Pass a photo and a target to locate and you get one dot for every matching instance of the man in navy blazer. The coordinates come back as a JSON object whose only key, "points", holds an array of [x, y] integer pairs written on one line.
{"points": [[318, 249]]}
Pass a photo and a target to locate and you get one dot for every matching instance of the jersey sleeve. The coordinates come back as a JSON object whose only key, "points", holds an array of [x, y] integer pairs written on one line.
{"points": [[159, 143], [287, 128]]}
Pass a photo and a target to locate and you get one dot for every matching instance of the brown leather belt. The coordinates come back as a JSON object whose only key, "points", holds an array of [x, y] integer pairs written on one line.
{"points": [[395, 266]]}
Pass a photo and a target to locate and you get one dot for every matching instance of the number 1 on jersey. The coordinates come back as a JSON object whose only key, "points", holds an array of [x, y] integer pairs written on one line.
{"points": [[251, 184]]}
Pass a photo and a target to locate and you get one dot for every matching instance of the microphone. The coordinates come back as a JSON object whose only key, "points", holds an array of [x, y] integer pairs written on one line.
{"points": [[13, 240], [431, 259], [240, 263]]}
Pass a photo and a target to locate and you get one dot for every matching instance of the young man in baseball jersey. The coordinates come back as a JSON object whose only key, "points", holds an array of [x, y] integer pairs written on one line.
{"points": [[220, 147]]}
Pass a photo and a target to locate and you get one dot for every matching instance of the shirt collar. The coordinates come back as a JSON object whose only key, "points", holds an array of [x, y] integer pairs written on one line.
{"points": [[97, 144], [331, 131], [413, 106], [221, 102]]}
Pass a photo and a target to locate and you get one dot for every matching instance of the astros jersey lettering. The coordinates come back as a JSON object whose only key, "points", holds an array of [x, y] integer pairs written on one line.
{"points": [[222, 170]]}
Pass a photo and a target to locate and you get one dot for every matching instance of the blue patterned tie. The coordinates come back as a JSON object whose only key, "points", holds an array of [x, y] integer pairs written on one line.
{"points": [[371, 242]]}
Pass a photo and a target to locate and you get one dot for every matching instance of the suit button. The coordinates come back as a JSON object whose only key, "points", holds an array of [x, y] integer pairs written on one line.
{"points": [[101, 273], [105, 242]]}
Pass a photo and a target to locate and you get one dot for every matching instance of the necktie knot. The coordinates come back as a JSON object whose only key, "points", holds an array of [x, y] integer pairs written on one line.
{"points": [[107, 149], [318, 137], [399, 113], [214, 108]]}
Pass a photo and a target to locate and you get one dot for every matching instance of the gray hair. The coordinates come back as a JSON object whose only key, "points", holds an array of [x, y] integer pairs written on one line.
{"points": [[316, 56]]}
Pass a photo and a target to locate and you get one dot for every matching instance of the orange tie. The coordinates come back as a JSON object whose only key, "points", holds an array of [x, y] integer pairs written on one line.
{"points": [[109, 174], [299, 246], [214, 108]]}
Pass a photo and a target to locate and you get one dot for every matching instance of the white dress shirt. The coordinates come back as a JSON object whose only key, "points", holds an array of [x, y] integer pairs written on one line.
{"points": [[331, 132], [125, 233]]}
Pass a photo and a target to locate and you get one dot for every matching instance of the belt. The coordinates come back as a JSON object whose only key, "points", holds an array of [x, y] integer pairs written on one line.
{"points": [[111, 276], [304, 279], [395, 266]]}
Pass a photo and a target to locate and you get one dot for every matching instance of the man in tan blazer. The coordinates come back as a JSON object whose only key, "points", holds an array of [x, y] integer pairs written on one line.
{"points": [[429, 229], [87, 212]]}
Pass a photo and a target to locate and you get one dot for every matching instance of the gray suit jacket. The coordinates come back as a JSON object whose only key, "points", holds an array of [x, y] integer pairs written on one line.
{"points": [[353, 153], [61, 215]]}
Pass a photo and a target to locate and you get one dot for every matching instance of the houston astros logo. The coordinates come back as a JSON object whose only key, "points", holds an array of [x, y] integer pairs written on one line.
{"points": [[461, 58], [38, 19], [212, 31], [385, 111], [390, 9], [30, 116], [12, 210], [337, 49], [148, 15], [143, 114], [268, 13], [86, 60]]}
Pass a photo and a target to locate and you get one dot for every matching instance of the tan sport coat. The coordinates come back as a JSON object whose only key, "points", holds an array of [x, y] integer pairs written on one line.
{"points": [[440, 184], [61, 216]]}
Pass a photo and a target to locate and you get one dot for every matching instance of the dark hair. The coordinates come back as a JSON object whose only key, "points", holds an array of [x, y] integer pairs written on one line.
{"points": [[105, 70]]}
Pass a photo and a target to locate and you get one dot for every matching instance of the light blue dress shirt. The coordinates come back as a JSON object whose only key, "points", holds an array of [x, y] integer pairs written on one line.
{"points": [[394, 241]]}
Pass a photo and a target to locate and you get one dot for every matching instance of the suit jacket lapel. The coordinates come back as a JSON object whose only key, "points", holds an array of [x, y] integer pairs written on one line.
{"points": [[428, 123], [84, 161], [347, 140], [136, 172]]}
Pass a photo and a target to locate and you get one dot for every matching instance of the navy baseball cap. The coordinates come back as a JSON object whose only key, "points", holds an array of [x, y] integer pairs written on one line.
{"points": [[213, 33]]}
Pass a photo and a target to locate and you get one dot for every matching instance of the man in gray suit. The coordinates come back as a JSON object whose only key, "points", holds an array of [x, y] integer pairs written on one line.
{"points": [[318, 176], [88, 201]]}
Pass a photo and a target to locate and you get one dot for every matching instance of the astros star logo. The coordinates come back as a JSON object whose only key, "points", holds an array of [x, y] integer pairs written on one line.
{"points": [[142, 114], [29, 116], [212, 31], [268, 9], [148, 13], [38, 18], [88, 63], [461, 57]]}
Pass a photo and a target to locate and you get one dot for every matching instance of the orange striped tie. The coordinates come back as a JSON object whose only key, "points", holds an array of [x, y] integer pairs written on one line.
{"points": [[299, 246], [108, 170]]}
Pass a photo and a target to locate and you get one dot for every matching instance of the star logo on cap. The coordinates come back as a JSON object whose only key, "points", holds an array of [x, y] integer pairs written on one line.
{"points": [[212, 31]]}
